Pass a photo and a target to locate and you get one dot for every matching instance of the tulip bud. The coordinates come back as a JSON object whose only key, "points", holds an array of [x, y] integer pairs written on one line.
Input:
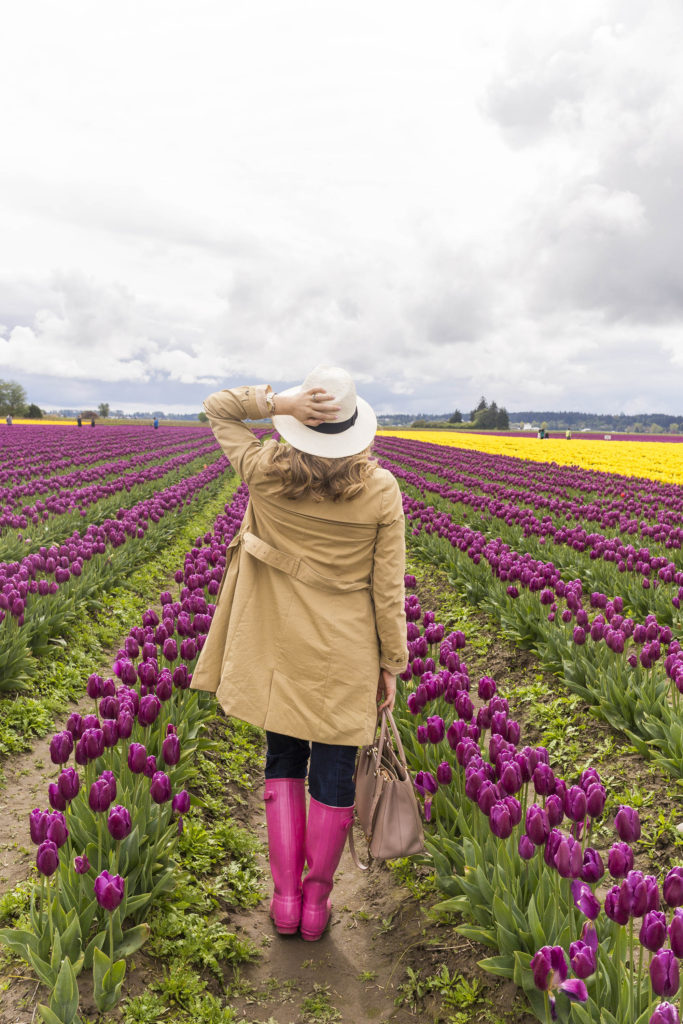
{"points": [[160, 788], [673, 887], [109, 890], [664, 973], [665, 1013], [81, 865], [652, 933], [170, 749], [582, 959], [137, 758], [118, 822], [47, 858]]}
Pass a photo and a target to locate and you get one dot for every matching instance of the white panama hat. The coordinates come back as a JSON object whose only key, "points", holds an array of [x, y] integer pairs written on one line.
{"points": [[350, 433]]}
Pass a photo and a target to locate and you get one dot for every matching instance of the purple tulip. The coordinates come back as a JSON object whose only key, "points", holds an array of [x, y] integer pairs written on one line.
{"points": [[109, 890], [627, 824], [616, 906], [164, 687], [38, 822], [150, 766], [69, 783], [500, 820], [422, 734], [585, 901], [596, 796], [81, 865], [525, 847], [181, 802], [582, 959], [537, 824], [620, 860], [575, 803], [74, 725], [125, 723], [593, 867], [118, 822], [425, 782], [57, 832], [652, 933], [137, 758], [553, 808], [487, 796], [543, 779], [99, 796], [664, 973], [150, 705], [549, 967], [170, 749], [188, 649], [94, 686], [47, 858], [110, 732], [676, 932], [56, 799], [180, 677], [61, 745], [160, 788], [436, 729], [444, 774], [665, 1013], [568, 857], [673, 887]]}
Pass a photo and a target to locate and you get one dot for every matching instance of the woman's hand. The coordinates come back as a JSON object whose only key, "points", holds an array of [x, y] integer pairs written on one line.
{"points": [[386, 688], [311, 407]]}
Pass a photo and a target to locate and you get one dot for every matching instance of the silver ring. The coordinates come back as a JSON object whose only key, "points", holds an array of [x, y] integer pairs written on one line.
{"points": [[315, 397]]}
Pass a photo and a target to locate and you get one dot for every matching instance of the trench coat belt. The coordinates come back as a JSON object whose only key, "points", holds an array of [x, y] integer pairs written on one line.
{"points": [[296, 567]]}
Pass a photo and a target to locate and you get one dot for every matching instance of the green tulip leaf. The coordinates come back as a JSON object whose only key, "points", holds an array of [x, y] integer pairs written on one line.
{"points": [[42, 969], [133, 938], [49, 1017], [96, 943], [19, 941], [64, 1001]]}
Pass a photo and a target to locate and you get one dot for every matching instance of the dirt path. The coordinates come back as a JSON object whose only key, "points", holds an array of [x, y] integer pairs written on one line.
{"points": [[28, 776], [378, 930]]}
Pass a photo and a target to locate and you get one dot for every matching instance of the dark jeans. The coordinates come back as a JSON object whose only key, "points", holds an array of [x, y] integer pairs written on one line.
{"points": [[330, 775]]}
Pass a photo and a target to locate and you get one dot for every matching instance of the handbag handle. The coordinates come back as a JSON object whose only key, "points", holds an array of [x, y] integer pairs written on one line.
{"points": [[383, 738]]}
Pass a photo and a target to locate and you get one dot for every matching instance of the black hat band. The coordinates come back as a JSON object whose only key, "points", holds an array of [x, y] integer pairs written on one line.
{"points": [[335, 428]]}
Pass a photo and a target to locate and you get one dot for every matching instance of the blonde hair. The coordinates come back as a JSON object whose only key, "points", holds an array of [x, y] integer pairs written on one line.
{"points": [[311, 476]]}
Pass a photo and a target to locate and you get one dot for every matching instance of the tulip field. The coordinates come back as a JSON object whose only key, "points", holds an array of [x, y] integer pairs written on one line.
{"points": [[575, 555]]}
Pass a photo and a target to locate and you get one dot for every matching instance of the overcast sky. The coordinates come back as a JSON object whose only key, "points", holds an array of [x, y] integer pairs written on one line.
{"points": [[448, 199]]}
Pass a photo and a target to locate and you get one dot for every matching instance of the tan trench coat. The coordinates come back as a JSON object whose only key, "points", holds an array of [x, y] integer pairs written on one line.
{"points": [[312, 599]]}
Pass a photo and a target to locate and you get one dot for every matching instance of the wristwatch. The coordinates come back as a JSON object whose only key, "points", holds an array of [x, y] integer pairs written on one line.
{"points": [[270, 400]]}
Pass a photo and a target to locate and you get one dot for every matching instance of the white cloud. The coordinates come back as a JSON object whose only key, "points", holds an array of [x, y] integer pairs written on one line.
{"points": [[449, 201]]}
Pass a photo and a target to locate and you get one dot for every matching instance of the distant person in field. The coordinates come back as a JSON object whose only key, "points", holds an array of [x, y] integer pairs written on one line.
{"points": [[568, 435], [8, 420], [92, 421], [309, 631], [156, 423], [79, 422]]}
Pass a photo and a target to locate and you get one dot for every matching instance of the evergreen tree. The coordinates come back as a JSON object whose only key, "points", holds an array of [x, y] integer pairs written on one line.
{"points": [[456, 417]]}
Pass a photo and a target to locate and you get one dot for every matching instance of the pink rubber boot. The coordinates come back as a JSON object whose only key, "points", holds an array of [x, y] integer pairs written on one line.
{"points": [[286, 820], [326, 834]]}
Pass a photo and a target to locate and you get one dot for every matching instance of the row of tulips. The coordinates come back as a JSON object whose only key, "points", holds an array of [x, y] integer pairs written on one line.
{"points": [[105, 845], [511, 849], [79, 487], [52, 588], [643, 569], [631, 672], [53, 521], [514, 489]]}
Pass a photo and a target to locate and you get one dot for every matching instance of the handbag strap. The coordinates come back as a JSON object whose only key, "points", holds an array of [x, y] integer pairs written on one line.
{"points": [[385, 739]]}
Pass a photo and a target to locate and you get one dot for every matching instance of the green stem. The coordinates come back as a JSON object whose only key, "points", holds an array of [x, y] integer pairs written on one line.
{"points": [[640, 977], [49, 913], [630, 967], [546, 998], [111, 937], [99, 843]]}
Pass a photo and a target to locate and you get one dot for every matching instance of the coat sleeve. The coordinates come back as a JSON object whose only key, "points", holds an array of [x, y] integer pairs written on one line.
{"points": [[227, 411], [388, 592]]}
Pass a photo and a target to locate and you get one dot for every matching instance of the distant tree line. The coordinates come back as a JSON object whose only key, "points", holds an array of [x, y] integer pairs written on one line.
{"points": [[641, 423]]}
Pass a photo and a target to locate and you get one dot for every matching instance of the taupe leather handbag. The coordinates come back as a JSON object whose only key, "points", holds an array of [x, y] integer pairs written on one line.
{"points": [[386, 805]]}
